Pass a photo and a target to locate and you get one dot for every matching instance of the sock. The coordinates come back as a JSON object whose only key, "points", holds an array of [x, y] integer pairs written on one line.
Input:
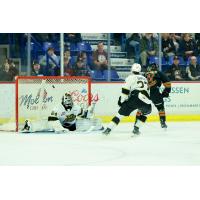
{"points": [[115, 121], [140, 121]]}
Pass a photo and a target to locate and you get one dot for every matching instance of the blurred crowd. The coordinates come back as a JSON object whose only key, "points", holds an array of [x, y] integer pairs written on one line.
{"points": [[179, 51], [180, 55], [78, 65], [146, 44]]}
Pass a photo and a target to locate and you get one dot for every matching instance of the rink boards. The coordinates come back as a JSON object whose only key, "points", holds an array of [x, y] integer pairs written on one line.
{"points": [[182, 105]]}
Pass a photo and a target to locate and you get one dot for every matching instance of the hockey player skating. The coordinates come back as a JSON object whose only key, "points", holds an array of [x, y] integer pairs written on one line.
{"points": [[64, 118], [155, 79], [135, 95]]}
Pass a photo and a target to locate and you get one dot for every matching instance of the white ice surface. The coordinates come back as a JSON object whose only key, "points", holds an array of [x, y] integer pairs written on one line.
{"points": [[179, 145]]}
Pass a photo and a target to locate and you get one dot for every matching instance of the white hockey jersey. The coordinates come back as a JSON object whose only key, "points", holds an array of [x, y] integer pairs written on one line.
{"points": [[134, 82], [66, 116]]}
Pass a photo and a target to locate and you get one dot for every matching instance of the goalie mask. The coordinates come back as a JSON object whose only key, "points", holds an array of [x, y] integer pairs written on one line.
{"points": [[67, 101]]}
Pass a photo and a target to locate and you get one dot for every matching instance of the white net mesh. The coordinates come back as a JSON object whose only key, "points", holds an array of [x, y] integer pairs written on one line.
{"points": [[37, 96]]}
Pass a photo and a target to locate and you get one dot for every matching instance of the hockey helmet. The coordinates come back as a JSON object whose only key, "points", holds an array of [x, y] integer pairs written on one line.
{"points": [[67, 100], [136, 68]]}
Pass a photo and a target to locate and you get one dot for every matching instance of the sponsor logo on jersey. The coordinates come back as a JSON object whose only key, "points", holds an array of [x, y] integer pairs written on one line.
{"points": [[69, 118]]}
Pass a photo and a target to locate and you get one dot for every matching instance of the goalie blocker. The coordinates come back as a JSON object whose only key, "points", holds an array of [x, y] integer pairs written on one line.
{"points": [[66, 117]]}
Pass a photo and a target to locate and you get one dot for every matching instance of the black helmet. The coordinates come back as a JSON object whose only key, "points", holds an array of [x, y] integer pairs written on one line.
{"points": [[152, 67]]}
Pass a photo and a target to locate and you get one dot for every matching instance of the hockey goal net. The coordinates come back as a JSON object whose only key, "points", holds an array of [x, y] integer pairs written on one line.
{"points": [[37, 96]]}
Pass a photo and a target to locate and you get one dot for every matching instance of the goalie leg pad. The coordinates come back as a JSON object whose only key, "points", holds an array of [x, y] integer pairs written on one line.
{"points": [[70, 127], [87, 124], [57, 126], [36, 126]]}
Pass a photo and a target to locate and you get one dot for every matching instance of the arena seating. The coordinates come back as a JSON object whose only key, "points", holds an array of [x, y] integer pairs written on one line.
{"points": [[119, 60]]}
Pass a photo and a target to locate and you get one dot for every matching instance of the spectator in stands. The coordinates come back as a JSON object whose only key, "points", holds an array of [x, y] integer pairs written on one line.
{"points": [[8, 71], [67, 57], [187, 46], [13, 70], [118, 38], [100, 58], [175, 72], [197, 39], [73, 37], [81, 68], [168, 48], [83, 57], [51, 61], [133, 46], [42, 37], [176, 37], [68, 71], [149, 47], [193, 70], [154, 35], [36, 69]]}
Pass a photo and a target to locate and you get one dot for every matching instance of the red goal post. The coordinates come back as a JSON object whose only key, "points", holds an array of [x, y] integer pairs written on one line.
{"points": [[36, 96]]}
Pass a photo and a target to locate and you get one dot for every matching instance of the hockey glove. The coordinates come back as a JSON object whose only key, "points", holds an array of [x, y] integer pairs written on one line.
{"points": [[165, 94], [84, 113]]}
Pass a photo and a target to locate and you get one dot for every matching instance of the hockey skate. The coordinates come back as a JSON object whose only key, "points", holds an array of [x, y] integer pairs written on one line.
{"points": [[107, 131], [27, 127], [136, 130], [163, 124]]}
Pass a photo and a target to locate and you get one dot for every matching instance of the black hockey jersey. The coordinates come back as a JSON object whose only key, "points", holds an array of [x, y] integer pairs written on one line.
{"points": [[156, 79]]}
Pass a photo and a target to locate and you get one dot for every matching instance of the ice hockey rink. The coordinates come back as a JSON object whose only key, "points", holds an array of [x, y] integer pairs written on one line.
{"points": [[179, 145]]}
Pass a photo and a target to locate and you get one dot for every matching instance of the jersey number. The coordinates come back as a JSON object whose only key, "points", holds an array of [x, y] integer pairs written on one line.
{"points": [[141, 84]]}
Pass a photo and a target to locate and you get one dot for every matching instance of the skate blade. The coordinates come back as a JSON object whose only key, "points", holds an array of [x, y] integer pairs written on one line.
{"points": [[135, 135], [24, 131]]}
